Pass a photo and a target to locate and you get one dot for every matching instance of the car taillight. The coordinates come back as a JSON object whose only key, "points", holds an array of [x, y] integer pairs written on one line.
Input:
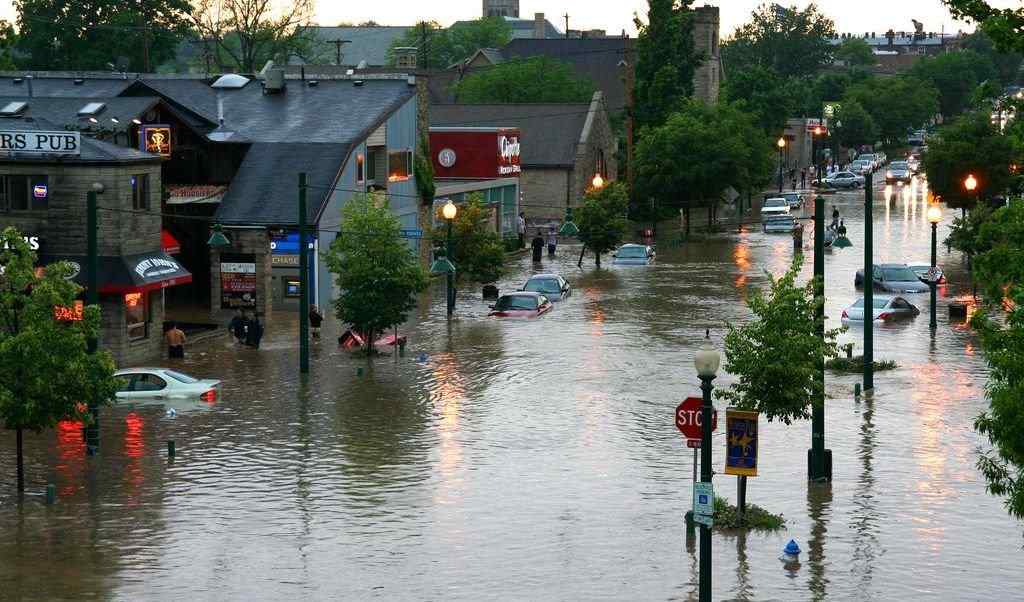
{"points": [[209, 396], [884, 315], [499, 314]]}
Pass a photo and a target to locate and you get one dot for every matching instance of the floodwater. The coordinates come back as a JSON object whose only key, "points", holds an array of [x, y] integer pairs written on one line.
{"points": [[512, 460]]}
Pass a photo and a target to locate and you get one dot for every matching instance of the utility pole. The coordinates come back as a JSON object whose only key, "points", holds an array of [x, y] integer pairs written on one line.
{"points": [[92, 295], [303, 280], [818, 466], [566, 15], [337, 49], [869, 284], [424, 63]]}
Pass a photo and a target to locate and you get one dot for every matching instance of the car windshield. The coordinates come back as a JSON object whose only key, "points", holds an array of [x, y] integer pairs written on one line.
{"points": [[514, 302], [178, 376], [543, 285], [876, 302], [866, 158], [775, 203], [791, 196], [898, 165], [902, 274], [632, 252]]}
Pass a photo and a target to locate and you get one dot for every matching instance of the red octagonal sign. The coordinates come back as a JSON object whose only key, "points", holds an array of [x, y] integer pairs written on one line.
{"points": [[688, 419]]}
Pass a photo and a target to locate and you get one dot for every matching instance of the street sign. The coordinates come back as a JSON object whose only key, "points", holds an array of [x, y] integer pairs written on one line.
{"points": [[688, 417], [703, 498], [411, 233], [704, 519], [693, 443], [933, 274], [740, 443]]}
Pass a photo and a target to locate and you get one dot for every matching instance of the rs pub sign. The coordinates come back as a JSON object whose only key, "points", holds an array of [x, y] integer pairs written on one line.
{"points": [[741, 443]]}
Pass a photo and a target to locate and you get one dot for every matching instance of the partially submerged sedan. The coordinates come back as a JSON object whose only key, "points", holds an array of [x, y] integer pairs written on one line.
{"points": [[633, 254], [886, 309], [521, 305], [552, 286], [157, 384]]}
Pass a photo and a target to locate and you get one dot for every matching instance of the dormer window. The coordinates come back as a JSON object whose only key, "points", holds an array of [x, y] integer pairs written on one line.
{"points": [[13, 108], [91, 109]]}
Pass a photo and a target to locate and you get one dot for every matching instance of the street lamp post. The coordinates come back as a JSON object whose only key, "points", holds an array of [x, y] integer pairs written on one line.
{"points": [[92, 295], [449, 211], [706, 361], [819, 468], [934, 217], [303, 281], [869, 283], [971, 184], [781, 143]]}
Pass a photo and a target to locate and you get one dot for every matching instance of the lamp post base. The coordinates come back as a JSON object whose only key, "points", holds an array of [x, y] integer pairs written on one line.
{"points": [[826, 474]]}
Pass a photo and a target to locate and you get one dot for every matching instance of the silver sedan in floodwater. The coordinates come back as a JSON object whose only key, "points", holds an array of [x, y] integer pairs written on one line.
{"points": [[632, 254], [552, 286]]}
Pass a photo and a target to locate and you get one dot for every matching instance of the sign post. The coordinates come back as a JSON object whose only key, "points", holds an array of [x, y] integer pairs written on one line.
{"points": [[741, 451], [688, 421]]}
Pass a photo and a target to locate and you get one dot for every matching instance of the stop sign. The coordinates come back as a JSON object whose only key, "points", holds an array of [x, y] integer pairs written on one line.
{"points": [[688, 417]]}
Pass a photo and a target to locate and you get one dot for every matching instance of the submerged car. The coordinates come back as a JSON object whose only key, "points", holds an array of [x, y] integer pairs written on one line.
{"points": [[632, 254], [779, 223], [141, 384], [894, 278], [886, 309], [774, 206], [552, 286], [521, 305], [795, 199], [844, 179]]}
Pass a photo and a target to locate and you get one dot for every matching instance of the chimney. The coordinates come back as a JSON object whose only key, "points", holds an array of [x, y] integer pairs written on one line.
{"points": [[539, 30]]}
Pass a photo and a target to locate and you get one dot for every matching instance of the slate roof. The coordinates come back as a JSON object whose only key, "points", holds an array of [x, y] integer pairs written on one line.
{"points": [[368, 44], [92, 150], [265, 191], [64, 111], [550, 132], [46, 85]]}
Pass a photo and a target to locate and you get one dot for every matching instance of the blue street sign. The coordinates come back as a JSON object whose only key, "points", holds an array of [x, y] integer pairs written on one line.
{"points": [[289, 244], [411, 233]]}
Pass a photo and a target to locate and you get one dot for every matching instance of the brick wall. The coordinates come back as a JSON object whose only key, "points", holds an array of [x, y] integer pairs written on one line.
{"points": [[254, 246], [114, 331]]}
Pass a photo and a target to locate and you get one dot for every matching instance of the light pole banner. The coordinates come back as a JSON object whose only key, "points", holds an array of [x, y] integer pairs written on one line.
{"points": [[741, 443]]}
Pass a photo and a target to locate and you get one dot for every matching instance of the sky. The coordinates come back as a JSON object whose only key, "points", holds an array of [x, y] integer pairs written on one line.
{"points": [[614, 15]]}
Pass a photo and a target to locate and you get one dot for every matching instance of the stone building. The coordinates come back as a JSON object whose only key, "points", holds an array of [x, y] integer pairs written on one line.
{"points": [[563, 147], [43, 195], [707, 79], [500, 8]]}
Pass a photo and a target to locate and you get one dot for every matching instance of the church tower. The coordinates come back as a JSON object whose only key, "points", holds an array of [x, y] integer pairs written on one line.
{"points": [[501, 8]]}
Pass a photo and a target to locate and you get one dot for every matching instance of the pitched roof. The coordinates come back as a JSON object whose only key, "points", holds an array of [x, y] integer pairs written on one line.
{"points": [[265, 189], [64, 111], [45, 84], [91, 150], [368, 44], [550, 132]]}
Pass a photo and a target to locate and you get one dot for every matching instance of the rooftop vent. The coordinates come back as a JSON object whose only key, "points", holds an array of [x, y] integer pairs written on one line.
{"points": [[92, 108], [78, 81], [313, 83], [13, 108], [230, 81], [357, 82]]}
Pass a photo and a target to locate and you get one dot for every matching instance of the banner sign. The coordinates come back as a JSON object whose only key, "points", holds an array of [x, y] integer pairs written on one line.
{"points": [[740, 443], [238, 285], [41, 143]]}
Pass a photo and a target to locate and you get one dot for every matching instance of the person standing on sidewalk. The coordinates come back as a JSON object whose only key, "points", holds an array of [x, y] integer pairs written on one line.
{"points": [[175, 342], [538, 246], [521, 229], [237, 326], [552, 242], [315, 320]]}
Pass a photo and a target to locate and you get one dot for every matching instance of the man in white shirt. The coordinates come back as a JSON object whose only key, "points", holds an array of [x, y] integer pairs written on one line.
{"points": [[521, 229]]}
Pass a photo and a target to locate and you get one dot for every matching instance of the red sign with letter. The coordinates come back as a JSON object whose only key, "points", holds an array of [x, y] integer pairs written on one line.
{"points": [[475, 153], [688, 418], [75, 313]]}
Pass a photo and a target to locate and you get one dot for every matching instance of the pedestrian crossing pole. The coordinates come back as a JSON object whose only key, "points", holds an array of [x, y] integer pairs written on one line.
{"points": [[92, 295], [303, 280]]}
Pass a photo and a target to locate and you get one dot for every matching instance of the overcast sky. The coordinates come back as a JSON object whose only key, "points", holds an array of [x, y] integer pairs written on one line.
{"points": [[614, 15]]}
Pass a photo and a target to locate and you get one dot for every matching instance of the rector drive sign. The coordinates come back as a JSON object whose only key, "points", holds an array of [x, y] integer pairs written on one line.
{"points": [[40, 143]]}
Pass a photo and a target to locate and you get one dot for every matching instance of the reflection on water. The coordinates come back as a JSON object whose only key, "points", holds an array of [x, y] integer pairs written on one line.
{"points": [[530, 459]]}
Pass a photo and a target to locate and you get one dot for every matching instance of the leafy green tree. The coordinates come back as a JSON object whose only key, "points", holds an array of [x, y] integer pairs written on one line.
{"points": [[955, 75], [790, 41], [248, 33], [602, 219], [699, 152], [964, 233], [856, 53], [532, 80], [440, 48], [46, 372], [1007, 64], [90, 34], [999, 243], [8, 41], [378, 276], [896, 104], [970, 145], [762, 92], [854, 126], [777, 356], [423, 171], [1003, 26], [666, 60], [477, 250]]}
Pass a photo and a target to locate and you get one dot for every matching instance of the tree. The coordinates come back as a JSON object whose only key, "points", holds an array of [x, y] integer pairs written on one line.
{"points": [[764, 94], [666, 60], [602, 219], [377, 274], [439, 48], [248, 33], [477, 250], [790, 41], [699, 152], [423, 171], [46, 372], [1005, 27], [856, 53], [8, 41], [1007, 64], [955, 75], [999, 243], [854, 126], [532, 80], [896, 104], [970, 145], [92, 34]]}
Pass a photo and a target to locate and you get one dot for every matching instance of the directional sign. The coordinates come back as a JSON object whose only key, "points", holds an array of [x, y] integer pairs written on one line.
{"points": [[688, 417], [704, 519], [703, 498], [740, 443], [411, 233]]}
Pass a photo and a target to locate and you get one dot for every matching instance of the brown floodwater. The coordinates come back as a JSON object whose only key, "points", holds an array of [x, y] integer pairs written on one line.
{"points": [[530, 459]]}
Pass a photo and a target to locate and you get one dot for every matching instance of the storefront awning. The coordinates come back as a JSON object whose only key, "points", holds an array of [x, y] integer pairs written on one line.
{"points": [[169, 244], [130, 274]]}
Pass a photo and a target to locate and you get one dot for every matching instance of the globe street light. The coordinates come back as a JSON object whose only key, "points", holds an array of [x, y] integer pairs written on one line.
{"points": [[597, 182], [781, 143], [706, 361], [449, 211], [934, 217], [970, 183]]}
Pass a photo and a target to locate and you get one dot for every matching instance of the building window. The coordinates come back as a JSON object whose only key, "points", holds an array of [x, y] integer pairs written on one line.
{"points": [[136, 315], [140, 192], [399, 165], [360, 168], [24, 193], [371, 165]]}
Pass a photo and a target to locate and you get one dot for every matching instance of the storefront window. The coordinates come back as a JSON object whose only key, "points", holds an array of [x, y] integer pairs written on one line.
{"points": [[140, 192], [24, 193], [399, 165], [136, 315]]}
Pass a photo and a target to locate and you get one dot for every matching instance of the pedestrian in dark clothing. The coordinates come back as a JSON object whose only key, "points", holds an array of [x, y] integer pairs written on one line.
{"points": [[803, 178], [842, 228], [237, 326], [315, 320], [794, 179], [538, 246], [175, 342], [254, 332]]}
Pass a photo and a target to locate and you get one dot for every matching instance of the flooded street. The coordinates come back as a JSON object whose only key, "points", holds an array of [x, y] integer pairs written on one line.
{"points": [[534, 460]]}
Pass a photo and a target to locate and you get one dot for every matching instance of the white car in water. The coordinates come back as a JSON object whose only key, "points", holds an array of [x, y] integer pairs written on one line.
{"points": [[156, 384], [774, 206]]}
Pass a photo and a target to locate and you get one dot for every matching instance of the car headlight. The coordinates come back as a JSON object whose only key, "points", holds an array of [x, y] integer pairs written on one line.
{"points": [[888, 174]]}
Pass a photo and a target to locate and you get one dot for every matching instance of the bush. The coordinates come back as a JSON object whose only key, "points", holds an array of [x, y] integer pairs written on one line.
{"points": [[856, 364], [756, 517]]}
